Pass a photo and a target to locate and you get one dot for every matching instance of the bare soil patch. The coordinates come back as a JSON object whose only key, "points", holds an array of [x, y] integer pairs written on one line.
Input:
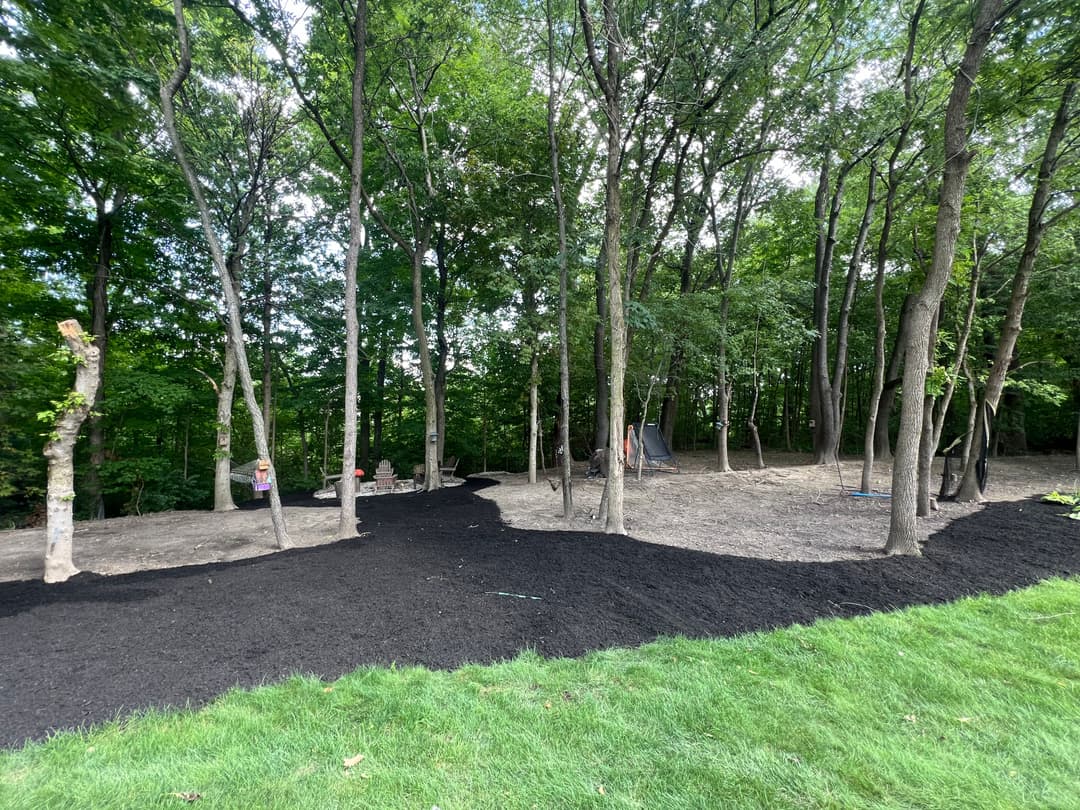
{"points": [[171, 539], [791, 510]]}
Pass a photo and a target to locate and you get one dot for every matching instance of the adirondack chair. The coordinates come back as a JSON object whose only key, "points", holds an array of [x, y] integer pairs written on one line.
{"points": [[385, 479], [448, 467]]}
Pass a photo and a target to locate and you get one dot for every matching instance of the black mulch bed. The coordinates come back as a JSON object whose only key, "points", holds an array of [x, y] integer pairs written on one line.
{"points": [[428, 586]]}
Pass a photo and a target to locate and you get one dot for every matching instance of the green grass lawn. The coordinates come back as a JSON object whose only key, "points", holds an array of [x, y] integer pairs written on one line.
{"points": [[974, 704]]}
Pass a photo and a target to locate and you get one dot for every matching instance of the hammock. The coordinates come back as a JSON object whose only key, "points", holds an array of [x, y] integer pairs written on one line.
{"points": [[243, 473], [247, 474]]}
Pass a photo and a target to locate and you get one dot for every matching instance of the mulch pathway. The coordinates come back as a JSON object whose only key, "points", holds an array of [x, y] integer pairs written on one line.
{"points": [[440, 580]]}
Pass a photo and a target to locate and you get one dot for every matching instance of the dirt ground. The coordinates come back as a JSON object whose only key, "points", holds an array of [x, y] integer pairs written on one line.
{"points": [[791, 510]]}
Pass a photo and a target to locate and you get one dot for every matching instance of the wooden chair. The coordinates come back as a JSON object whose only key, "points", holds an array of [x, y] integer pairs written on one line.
{"points": [[331, 481], [448, 467], [385, 479], [335, 481]]}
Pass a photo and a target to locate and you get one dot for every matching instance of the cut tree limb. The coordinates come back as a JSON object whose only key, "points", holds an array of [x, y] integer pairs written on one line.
{"points": [[60, 451]]}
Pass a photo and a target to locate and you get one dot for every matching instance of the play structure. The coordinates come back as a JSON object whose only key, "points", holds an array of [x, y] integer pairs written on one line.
{"points": [[651, 450], [645, 445]]}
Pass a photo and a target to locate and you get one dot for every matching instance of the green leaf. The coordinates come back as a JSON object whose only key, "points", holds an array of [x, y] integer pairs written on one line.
{"points": [[1066, 499]]}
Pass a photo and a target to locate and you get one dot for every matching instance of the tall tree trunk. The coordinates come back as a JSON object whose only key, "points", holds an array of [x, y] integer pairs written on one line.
{"points": [[532, 416], [347, 515], [601, 427], [223, 499], [617, 422], [273, 422], [891, 386], [827, 215], [941, 410], [926, 459], [168, 92], [326, 442], [695, 222], [669, 406], [441, 341], [534, 409], [563, 444], [60, 452], [786, 413], [800, 392], [107, 212], [973, 405], [1014, 315], [639, 460], [723, 393], [267, 384], [432, 475], [267, 321], [669, 403], [867, 483], [723, 271], [826, 393], [903, 534], [484, 439], [751, 418], [440, 404], [363, 460], [876, 438], [751, 423], [839, 381], [609, 79], [927, 447], [305, 450]]}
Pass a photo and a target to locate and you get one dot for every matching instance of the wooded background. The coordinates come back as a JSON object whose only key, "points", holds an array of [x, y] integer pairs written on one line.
{"points": [[756, 182]]}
